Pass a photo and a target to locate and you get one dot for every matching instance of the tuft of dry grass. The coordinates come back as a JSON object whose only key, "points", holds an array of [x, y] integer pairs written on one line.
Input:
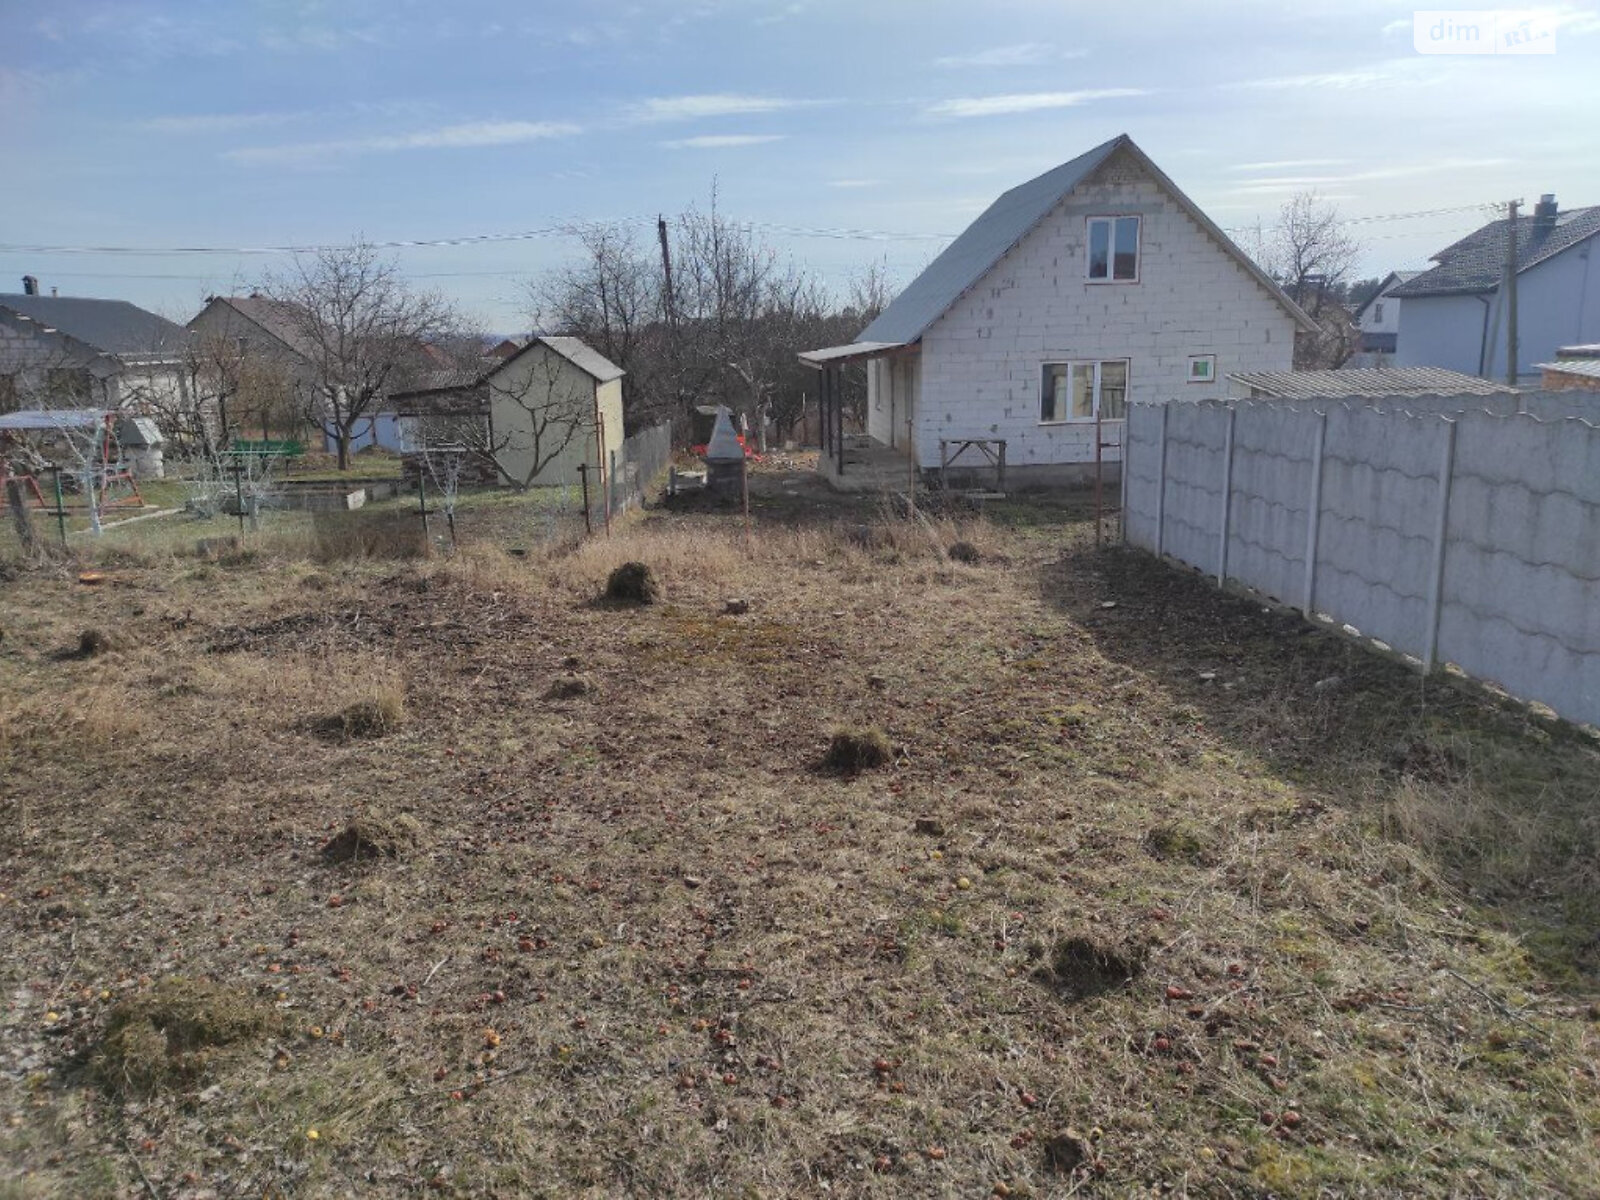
{"points": [[852, 751], [373, 834], [632, 583], [377, 715], [169, 1036]]}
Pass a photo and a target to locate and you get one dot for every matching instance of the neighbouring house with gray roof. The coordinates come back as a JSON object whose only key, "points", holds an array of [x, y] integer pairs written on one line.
{"points": [[1096, 284], [79, 352], [1454, 315], [530, 420]]}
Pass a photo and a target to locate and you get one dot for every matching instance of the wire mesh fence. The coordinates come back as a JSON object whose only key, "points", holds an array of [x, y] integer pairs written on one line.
{"points": [[374, 511]]}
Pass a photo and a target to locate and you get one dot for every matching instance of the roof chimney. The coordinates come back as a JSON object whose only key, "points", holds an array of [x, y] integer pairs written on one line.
{"points": [[30, 286], [1544, 213]]}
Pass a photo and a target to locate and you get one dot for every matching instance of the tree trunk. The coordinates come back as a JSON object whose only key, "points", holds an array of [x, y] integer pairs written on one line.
{"points": [[19, 515], [344, 449]]}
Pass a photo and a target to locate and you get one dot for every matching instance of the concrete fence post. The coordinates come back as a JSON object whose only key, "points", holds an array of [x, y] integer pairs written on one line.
{"points": [[1161, 483], [1441, 535], [1227, 497], [1314, 516]]}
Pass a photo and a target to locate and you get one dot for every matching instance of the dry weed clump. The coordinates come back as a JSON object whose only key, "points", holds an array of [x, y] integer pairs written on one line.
{"points": [[382, 713], [965, 552], [852, 751], [167, 1037], [372, 835], [632, 583], [569, 687], [95, 642], [1179, 841], [1086, 965]]}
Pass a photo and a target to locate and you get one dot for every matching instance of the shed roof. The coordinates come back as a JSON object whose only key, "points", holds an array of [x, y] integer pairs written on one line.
{"points": [[583, 356], [1588, 368], [1366, 381], [1004, 223], [109, 326], [1477, 262]]}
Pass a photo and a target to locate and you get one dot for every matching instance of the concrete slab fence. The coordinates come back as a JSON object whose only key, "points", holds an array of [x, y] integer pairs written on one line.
{"points": [[1453, 534]]}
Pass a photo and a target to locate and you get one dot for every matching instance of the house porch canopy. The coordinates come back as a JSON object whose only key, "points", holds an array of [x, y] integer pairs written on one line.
{"points": [[839, 356]]}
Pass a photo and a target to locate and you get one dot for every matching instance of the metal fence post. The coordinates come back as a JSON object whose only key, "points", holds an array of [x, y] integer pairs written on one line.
{"points": [[1122, 478], [1441, 534], [1227, 496], [1161, 483], [1314, 517]]}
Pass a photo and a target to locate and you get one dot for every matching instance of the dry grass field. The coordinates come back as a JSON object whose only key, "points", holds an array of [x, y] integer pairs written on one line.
{"points": [[389, 878]]}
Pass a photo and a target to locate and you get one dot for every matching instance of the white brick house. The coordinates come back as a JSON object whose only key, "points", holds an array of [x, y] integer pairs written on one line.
{"points": [[1095, 284]]}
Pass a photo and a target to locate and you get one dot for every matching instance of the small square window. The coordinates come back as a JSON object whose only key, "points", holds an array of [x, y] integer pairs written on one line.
{"points": [[1202, 368]]}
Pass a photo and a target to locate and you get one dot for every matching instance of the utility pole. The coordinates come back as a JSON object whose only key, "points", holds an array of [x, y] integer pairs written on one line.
{"points": [[1511, 291], [666, 273]]}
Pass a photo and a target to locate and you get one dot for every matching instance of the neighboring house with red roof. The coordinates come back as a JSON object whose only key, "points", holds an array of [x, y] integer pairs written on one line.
{"points": [[1455, 315]]}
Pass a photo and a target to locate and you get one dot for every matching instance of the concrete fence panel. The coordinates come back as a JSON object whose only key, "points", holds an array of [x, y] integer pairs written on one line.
{"points": [[1459, 536], [1381, 488], [1274, 454]]}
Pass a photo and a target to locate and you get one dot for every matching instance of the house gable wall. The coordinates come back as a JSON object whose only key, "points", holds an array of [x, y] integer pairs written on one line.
{"points": [[538, 400], [981, 363]]}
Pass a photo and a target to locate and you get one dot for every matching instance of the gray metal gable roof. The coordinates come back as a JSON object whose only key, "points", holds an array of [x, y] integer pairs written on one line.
{"points": [[1477, 262], [1006, 222], [968, 259], [109, 326], [583, 356]]}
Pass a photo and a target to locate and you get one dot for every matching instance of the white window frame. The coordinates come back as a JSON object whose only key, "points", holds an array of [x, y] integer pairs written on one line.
{"points": [[1377, 311], [1097, 364], [1210, 363], [1111, 219]]}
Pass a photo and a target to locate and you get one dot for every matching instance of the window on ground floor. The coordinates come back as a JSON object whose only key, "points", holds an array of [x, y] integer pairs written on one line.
{"points": [[1082, 391]]}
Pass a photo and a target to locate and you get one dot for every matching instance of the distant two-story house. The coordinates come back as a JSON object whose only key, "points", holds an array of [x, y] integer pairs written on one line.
{"points": [[1096, 284], [1378, 321], [270, 335], [1455, 314]]}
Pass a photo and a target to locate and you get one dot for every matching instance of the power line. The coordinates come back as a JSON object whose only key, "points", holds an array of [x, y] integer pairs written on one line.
{"points": [[574, 227]]}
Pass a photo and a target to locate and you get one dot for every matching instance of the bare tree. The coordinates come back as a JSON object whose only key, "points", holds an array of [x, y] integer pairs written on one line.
{"points": [[364, 329], [1310, 255]]}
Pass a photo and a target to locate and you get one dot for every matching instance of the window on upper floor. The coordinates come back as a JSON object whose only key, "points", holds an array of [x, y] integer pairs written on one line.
{"points": [[1377, 311], [1082, 391], [1113, 249]]}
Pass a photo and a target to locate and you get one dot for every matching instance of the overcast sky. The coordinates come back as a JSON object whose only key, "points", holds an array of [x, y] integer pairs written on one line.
{"points": [[149, 125]]}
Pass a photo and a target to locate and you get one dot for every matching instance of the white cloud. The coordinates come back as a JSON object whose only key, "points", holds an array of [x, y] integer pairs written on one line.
{"points": [[1284, 164], [1288, 184], [1396, 71], [1024, 54], [720, 141], [217, 122], [478, 133], [1023, 102], [854, 183], [688, 108]]}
